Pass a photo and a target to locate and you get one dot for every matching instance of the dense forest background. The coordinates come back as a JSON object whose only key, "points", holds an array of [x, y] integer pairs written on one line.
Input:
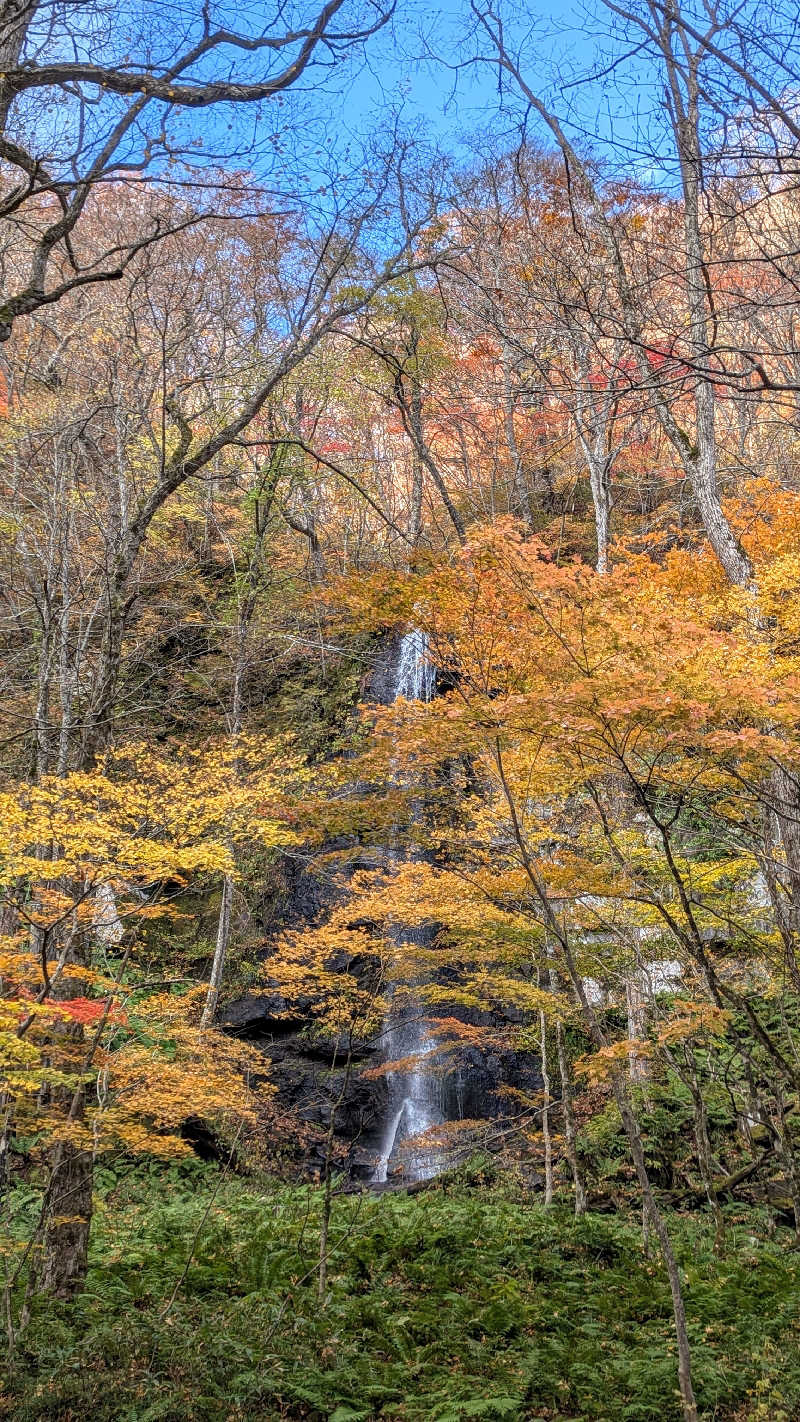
{"points": [[297, 373]]}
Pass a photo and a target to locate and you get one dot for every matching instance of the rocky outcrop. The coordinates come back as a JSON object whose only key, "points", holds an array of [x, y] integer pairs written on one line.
{"points": [[311, 1077], [313, 1080], [379, 684]]}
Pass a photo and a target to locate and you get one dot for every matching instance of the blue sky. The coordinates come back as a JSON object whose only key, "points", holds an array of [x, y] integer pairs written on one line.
{"points": [[564, 45], [422, 66]]}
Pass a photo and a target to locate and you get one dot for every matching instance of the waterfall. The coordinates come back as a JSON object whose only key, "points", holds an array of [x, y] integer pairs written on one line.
{"points": [[415, 676], [415, 1093]]}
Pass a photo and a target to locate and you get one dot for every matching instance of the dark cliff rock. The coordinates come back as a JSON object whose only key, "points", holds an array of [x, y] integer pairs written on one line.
{"points": [[261, 1015], [296, 889], [379, 683], [310, 1073]]}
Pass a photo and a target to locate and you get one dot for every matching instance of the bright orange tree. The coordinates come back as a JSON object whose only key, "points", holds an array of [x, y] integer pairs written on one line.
{"points": [[612, 744]]}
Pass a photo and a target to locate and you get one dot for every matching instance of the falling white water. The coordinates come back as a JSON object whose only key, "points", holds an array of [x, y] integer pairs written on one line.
{"points": [[415, 1097], [415, 675]]}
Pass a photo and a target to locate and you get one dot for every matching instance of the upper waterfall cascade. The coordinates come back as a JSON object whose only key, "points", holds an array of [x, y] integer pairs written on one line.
{"points": [[415, 677], [415, 1093]]}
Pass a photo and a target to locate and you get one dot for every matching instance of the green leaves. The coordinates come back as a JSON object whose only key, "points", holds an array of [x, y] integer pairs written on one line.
{"points": [[481, 1407]]}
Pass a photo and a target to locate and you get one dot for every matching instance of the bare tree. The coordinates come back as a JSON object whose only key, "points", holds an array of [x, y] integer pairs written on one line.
{"points": [[528, 282], [696, 447], [84, 102]]}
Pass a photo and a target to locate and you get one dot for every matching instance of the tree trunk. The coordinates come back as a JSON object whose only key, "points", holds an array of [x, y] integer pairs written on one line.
{"points": [[68, 1199], [220, 953], [327, 1191], [570, 1133], [548, 1143], [66, 1238], [665, 1244], [411, 414], [569, 1121], [634, 1005], [600, 481], [15, 20], [522, 500], [704, 1153]]}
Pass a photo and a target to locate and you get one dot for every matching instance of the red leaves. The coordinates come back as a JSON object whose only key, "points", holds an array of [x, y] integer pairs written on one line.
{"points": [[88, 1010]]}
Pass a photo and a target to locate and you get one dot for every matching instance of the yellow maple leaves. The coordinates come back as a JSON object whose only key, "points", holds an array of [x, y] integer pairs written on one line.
{"points": [[140, 822]]}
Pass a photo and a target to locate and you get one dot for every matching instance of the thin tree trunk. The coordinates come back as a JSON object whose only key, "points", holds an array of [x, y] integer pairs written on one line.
{"points": [[411, 415], [521, 492], [634, 1005], [548, 1143], [570, 1133], [703, 1148], [246, 608], [627, 1115], [633, 1133], [415, 518], [327, 1192], [600, 481], [220, 953]]}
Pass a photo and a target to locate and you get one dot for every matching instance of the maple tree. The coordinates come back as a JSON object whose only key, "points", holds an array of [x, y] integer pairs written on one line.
{"points": [[622, 735], [84, 858]]}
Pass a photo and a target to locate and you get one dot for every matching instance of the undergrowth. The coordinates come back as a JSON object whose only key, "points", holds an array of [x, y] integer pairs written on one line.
{"points": [[453, 1304]]}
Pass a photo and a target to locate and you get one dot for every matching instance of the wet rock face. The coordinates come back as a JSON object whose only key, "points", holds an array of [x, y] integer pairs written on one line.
{"points": [[309, 1078], [470, 1090], [380, 684]]}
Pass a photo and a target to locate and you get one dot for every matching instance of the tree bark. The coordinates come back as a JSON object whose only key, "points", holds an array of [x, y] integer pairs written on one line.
{"points": [[569, 1121], [548, 1143], [66, 1237], [15, 20], [220, 953], [68, 1219]]}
